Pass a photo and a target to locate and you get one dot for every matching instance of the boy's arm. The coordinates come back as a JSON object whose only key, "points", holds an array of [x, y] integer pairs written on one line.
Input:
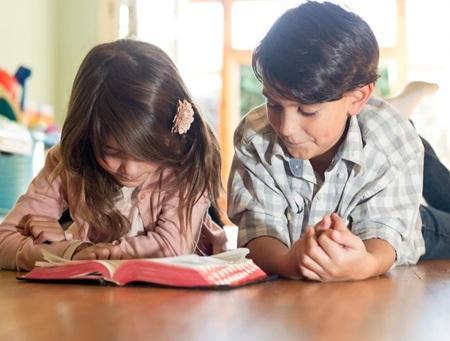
{"points": [[392, 214], [273, 257], [383, 254], [256, 203]]}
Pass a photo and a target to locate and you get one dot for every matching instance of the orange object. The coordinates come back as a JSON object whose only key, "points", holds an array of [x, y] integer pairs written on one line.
{"points": [[10, 84]]}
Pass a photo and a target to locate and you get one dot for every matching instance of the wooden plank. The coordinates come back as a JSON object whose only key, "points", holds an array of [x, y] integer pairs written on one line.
{"points": [[410, 303]]}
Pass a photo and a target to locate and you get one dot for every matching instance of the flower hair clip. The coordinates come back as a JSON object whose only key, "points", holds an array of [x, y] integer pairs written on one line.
{"points": [[183, 118]]}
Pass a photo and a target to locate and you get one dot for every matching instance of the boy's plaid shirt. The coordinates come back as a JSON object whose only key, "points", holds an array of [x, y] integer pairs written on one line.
{"points": [[374, 182]]}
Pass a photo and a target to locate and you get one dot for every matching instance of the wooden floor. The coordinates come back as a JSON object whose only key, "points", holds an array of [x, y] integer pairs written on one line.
{"points": [[411, 303]]}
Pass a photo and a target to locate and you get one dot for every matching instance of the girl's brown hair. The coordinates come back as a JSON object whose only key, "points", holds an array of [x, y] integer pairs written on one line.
{"points": [[129, 90]]}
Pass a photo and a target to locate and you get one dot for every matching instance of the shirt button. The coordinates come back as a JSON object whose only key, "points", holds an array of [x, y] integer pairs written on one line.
{"points": [[141, 197], [319, 196]]}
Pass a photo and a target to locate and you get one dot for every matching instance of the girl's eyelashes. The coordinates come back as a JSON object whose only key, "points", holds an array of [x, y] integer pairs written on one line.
{"points": [[112, 152]]}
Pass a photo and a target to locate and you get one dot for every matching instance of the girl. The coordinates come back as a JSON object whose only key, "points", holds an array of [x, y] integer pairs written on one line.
{"points": [[137, 167]]}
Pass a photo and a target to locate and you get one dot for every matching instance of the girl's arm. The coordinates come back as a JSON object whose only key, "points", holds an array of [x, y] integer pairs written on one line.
{"points": [[170, 237], [42, 198]]}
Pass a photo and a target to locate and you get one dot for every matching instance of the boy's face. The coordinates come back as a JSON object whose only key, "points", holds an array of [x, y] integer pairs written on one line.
{"points": [[309, 131]]}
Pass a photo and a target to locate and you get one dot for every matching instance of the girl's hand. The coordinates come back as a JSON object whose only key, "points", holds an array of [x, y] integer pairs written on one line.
{"points": [[43, 229], [99, 251]]}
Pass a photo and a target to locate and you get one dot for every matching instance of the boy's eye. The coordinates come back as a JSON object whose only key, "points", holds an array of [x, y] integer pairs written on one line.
{"points": [[306, 113]]}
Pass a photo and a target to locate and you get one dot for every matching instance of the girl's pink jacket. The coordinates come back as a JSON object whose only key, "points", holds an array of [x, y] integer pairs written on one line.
{"points": [[161, 236]]}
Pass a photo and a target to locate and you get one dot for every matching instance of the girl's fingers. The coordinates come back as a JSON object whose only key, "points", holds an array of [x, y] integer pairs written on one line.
{"points": [[99, 251], [85, 254], [115, 252], [22, 231], [89, 255], [33, 228], [40, 218], [45, 233], [102, 252], [49, 236]]}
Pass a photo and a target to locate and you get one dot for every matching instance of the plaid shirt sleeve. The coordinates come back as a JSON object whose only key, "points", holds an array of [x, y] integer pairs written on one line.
{"points": [[255, 203], [390, 209]]}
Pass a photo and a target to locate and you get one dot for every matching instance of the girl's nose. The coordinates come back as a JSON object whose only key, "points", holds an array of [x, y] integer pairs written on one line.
{"points": [[129, 168]]}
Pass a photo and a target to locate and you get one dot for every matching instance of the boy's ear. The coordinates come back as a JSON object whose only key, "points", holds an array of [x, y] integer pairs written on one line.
{"points": [[358, 98]]}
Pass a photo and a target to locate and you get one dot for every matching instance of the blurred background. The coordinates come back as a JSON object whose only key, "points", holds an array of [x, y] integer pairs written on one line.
{"points": [[211, 42]]}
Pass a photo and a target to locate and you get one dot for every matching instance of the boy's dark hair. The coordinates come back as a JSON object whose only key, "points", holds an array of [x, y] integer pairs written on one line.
{"points": [[316, 52]]}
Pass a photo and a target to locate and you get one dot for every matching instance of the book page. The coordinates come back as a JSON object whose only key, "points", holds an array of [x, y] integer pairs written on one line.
{"points": [[235, 256], [52, 260]]}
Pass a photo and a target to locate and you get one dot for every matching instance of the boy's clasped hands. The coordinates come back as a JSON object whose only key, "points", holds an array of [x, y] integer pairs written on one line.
{"points": [[329, 251], [43, 229]]}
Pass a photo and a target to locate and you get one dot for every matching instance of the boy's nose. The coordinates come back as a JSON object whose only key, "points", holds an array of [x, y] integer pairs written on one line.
{"points": [[288, 125]]}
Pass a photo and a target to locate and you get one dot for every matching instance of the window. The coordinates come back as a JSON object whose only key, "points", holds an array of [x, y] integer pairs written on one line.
{"points": [[211, 42]]}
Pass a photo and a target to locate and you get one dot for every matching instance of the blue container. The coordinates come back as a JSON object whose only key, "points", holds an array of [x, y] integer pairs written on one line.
{"points": [[16, 173]]}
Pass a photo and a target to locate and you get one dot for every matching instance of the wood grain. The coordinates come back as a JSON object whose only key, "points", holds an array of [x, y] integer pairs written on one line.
{"points": [[410, 303]]}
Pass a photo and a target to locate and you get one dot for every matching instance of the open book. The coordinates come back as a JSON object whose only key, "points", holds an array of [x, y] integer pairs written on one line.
{"points": [[227, 269]]}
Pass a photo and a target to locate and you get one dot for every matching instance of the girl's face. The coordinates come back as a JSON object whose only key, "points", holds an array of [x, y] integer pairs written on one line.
{"points": [[126, 170]]}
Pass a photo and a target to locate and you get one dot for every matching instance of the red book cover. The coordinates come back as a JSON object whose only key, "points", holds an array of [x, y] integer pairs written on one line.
{"points": [[227, 269]]}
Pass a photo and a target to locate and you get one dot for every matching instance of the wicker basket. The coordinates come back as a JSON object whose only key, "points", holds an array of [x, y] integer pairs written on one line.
{"points": [[16, 172]]}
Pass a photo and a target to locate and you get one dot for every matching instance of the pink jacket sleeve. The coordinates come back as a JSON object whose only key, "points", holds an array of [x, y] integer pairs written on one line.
{"points": [[165, 238], [42, 198]]}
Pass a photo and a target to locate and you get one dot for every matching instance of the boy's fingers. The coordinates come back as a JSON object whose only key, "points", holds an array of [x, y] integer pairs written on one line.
{"points": [[310, 264], [316, 253], [310, 231], [338, 223], [324, 224], [311, 275], [345, 238], [311, 257], [330, 247]]}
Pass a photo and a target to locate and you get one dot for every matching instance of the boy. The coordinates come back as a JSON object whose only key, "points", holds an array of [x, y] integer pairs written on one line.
{"points": [[326, 182]]}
